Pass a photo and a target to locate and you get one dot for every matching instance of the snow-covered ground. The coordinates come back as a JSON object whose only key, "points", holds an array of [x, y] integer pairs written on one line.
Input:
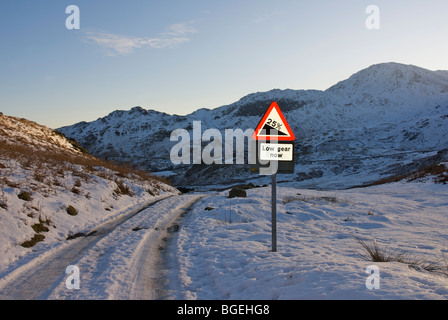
{"points": [[224, 253], [95, 199], [118, 259], [222, 249]]}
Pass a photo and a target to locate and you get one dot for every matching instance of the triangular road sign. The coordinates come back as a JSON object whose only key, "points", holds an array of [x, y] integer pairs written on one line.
{"points": [[273, 126]]}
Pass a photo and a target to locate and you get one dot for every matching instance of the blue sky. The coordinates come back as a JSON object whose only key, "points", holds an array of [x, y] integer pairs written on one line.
{"points": [[178, 56]]}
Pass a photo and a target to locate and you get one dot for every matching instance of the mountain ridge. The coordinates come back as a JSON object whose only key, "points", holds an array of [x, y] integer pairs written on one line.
{"points": [[387, 108]]}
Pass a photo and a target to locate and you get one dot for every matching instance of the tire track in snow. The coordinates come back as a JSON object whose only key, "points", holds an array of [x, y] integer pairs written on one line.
{"points": [[38, 279], [148, 267]]}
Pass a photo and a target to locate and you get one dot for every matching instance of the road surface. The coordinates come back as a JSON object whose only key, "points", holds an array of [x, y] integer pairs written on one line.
{"points": [[120, 259]]}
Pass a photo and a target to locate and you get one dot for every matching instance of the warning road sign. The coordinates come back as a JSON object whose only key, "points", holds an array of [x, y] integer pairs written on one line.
{"points": [[273, 126]]}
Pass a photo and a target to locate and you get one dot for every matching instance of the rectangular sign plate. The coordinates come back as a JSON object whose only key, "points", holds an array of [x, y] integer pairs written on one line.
{"points": [[279, 152]]}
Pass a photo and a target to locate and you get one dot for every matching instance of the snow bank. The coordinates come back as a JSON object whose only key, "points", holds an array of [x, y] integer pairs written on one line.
{"points": [[95, 200]]}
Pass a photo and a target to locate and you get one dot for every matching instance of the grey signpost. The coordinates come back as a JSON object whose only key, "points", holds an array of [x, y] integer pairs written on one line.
{"points": [[280, 150], [274, 212]]}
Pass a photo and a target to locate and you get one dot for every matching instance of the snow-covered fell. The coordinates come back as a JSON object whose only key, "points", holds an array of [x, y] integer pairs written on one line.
{"points": [[42, 174], [380, 121]]}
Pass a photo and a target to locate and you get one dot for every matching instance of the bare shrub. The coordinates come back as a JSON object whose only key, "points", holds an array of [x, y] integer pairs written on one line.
{"points": [[57, 182], [24, 195], [39, 176], [35, 239], [78, 183], [72, 211], [75, 190], [3, 200], [122, 188], [374, 253]]}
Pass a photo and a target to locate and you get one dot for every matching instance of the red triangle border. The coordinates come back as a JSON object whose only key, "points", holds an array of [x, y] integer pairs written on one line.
{"points": [[263, 120]]}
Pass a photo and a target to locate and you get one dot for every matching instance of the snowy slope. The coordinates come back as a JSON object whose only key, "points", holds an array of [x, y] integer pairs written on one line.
{"points": [[371, 124], [42, 174]]}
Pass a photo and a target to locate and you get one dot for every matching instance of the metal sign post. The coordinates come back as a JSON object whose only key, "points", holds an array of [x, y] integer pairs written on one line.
{"points": [[274, 212]]}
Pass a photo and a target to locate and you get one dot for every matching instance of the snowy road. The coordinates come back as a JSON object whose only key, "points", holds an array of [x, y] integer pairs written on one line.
{"points": [[120, 259]]}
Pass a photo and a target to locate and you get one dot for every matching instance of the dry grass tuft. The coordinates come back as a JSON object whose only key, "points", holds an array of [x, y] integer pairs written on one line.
{"points": [[50, 164], [373, 252]]}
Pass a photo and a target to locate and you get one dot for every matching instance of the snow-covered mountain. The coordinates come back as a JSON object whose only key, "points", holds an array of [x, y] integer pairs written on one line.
{"points": [[385, 120]]}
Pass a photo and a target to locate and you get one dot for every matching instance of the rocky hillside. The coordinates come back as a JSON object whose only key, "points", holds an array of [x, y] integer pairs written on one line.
{"points": [[51, 189], [384, 120]]}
